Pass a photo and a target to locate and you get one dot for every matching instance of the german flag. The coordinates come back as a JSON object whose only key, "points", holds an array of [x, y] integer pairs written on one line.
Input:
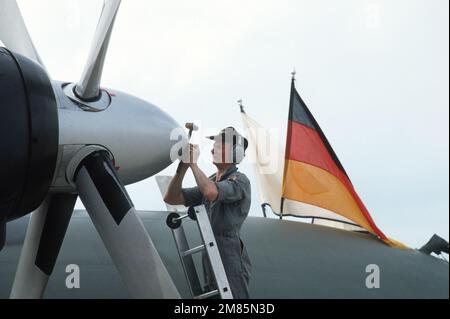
{"points": [[313, 173]]}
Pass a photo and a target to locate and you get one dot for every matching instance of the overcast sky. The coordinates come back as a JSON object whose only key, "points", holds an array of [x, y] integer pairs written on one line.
{"points": [[374, 74]]}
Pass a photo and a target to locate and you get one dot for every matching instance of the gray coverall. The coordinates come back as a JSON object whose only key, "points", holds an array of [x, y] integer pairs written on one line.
{"points": [[227, 213]]}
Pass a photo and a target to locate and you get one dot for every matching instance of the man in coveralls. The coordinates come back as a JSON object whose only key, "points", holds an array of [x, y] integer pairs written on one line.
{"points": [[226, 196]]}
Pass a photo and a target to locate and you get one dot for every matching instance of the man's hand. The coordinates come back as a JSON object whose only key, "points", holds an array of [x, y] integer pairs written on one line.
{"points": [[193, 154]]}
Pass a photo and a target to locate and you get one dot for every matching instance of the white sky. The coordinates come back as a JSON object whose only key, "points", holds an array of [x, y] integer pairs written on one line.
{"points": [[374, 74]]}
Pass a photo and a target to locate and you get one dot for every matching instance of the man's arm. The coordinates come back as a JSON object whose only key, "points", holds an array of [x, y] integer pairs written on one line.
{"points": [[207, 187], [174, 196]]}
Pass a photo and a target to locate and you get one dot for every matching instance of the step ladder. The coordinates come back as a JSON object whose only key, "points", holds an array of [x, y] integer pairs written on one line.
{"points": [[199, 214]]}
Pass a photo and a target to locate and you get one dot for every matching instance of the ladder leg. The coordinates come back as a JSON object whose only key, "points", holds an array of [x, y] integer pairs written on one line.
{"points": [[216, 278], [187, 261], [212, 252]]}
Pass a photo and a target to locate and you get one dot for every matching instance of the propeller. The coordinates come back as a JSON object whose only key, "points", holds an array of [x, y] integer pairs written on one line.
{"points": [[47, 162], [88, 88], [116, 220], [43, 240], [14, 33]]}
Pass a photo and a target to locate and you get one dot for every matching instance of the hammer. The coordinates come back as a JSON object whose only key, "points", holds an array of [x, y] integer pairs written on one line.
{"points": [[191, 127]]}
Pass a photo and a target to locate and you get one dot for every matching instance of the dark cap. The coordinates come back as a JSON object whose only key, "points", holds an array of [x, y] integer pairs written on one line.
{"points": [[230, 134]]}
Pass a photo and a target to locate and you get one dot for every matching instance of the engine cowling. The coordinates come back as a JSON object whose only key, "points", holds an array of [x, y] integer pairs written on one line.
{"points": [[28, 136]]}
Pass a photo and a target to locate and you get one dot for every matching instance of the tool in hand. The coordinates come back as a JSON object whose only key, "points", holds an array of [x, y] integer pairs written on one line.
{"points": [[191, 127]]}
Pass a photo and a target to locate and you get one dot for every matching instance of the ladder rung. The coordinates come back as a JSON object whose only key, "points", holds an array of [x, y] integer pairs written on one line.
{"points": [[207, 294], [193, 250]]}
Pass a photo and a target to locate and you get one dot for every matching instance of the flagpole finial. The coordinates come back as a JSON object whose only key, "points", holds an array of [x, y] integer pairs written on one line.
{"points": [[293, 73], [241, 106]]}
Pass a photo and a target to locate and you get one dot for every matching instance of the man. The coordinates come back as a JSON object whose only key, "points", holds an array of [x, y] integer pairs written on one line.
{"points": [[226, 196]]}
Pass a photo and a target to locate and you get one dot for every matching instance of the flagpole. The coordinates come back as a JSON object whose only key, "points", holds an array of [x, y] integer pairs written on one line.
{"points": [[281, 207], [293, 73]]}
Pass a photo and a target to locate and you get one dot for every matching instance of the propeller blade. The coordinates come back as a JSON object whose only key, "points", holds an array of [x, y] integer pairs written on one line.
{"points": [[16, 230], [14, 33], [88, 87], [121, 230], [45, 234]]}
